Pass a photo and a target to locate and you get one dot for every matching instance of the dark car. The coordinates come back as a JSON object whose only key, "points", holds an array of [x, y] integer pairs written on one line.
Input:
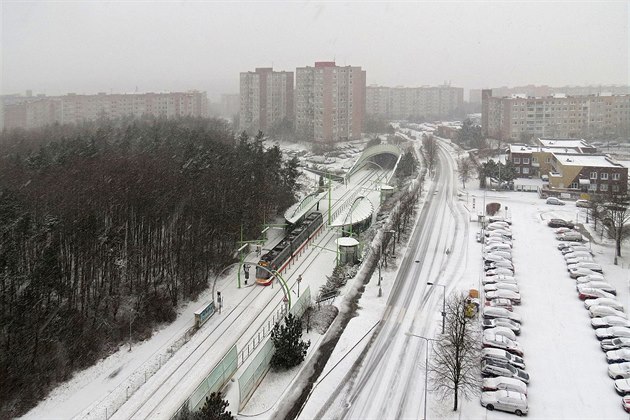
{"points": [[556, 223]]}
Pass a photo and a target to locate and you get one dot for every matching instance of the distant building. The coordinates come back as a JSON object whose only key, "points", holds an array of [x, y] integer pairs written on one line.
{"points": [[266, 97], [544, 90], [329, 102], [429, 102], [597, 174], [511, 118], [72, 108]]}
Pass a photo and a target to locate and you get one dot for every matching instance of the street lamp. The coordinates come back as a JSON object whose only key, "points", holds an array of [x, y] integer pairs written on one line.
{"points": [[443, 302], [426, 368]]}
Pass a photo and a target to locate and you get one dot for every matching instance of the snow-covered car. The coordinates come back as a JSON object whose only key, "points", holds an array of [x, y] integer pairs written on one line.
{"points": [[563, 245], [588, 265], [598, 311], [498, 246], [610, 321], [555, 201], [576, 260], [575, 248], [502, 382], [618, 356], [500, 271], [579, 272], [615, 344], [501, 223], [619, 370], [504, 294], [499, 264], [500, 303], [502, 322], [622, 386], [592, 293], [602, 285], [501, 278], [510, 401], [560, 230], [500, 285], [556, 223], [501, 342], [506, 255], [489, 312], [493, 227], [570, 236], [504, 331], [496, 368], [493, 219], [582, 203], [575, 254], [591, 277], [493, 257], [505, 233], [612, 332], [625, 403], [502, 356], [607, 301]]}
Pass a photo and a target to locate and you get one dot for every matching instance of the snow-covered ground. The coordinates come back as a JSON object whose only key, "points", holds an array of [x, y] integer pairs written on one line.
{"points": [[568, 369]]}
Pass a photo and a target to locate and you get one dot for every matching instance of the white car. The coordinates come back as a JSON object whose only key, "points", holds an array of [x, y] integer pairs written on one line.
{"points": [[489, 312], [510, 401], [588, 265], [592, 293], [598, 311], [499, 271], [503, 382], [502, 322], [506, 255], [492, 257], [504, 331], [610, 321], [591, 277], [504, 294], [611, 302], [619, 370], [570, 236], [579, 272], [576, 254], [499, 264], [612, 332], [498, 246], [618, 356], [555, 201], [501, 342], [500, 285], [563, 245], [576, 260], [501, 278], [609, 344], [576, 248], [490, 367], [500, 233], [606, 287]]}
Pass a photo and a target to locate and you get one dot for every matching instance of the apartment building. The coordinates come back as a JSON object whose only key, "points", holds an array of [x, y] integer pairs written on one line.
{"points": [[72, 108], [508, 118], [266, 97], [329, 102], [535, 161], [429, 102], [544, 90], [595, 174]]}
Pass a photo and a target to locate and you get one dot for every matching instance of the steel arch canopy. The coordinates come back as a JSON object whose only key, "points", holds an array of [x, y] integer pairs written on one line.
{"points": [[379, 149]]}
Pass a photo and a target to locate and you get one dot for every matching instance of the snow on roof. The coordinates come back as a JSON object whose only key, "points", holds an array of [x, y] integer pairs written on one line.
{"points": [[563, 142], [587, 160], [359, 212]]}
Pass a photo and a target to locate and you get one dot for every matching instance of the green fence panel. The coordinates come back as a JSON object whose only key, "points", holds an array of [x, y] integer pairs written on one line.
{"points": [[217, 378]]}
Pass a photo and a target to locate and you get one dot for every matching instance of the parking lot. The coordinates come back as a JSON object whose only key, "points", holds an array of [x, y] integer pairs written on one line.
{"points": [[568, 369]]}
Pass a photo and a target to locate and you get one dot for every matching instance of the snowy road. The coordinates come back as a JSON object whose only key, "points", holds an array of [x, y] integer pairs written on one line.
{"points": [[386, 380]]}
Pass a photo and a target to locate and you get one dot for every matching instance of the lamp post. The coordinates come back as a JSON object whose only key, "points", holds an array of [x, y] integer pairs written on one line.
{"points": [[426, 368], [443, 302]]}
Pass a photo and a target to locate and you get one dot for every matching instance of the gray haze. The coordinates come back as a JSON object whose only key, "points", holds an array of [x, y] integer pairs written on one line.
{"points": [[57, 47]]}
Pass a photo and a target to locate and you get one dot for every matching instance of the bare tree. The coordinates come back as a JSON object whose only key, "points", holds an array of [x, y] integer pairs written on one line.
{"points": [[617, 216], [455, 365], [465, 167], [430, 148]]}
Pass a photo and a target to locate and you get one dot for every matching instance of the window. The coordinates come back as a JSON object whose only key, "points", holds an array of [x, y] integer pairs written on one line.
{"points": [[593, 175], [516, 160], [526, 161], [615, 188], [525, 171], [548, 159], [603, 187], [518, 170], [616, 177], [534, 160], [604, 176]]}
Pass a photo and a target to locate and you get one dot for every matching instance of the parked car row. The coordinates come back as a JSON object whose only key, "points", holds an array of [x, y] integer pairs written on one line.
{"points": [[609, 320], [504, 385]]}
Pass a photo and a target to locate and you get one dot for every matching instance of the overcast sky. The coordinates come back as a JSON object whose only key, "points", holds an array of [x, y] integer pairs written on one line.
{"points": [[56, 47]]}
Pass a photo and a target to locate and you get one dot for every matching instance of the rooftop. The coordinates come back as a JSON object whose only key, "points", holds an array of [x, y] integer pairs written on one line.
{"points": [[587, 160]]}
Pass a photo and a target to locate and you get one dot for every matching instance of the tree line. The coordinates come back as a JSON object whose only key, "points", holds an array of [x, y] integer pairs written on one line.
{"points": [[108, 226]]}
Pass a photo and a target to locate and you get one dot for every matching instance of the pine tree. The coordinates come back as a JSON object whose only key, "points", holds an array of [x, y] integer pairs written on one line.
{"points": [[287, 339]]}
